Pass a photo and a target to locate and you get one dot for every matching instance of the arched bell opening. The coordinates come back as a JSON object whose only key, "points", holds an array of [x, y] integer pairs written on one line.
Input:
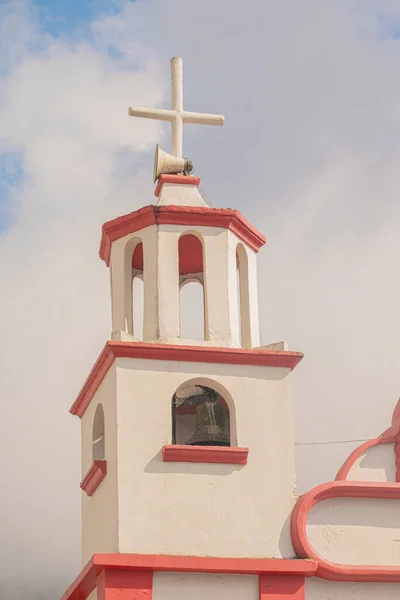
{"points": [[243, 299], [200, 415], [191, 302], [137, 291], [191, 287], [98, 435]]}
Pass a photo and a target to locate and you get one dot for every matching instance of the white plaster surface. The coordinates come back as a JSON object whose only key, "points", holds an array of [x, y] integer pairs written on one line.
{"points": [[318, 589], [204, 509], [100, 511], [376, 464], [357, 531], [199, 586], [93, 595], [161, 286], [173, 194]]}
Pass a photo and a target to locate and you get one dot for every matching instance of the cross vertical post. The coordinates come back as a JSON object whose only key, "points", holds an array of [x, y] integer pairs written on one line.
{"points": [[177, 105], [176, 115]]}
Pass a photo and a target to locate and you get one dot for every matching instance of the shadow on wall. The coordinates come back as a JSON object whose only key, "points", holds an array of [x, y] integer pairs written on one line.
{"points": [[382, 458]]}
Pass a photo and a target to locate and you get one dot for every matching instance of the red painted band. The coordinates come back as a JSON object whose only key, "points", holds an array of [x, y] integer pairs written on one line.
{"points": [[177, 179], [85, 583], [115, 584], [94, 477], [205, 454], [276, 587], [192, 216], [341, 489], [200, 354]]}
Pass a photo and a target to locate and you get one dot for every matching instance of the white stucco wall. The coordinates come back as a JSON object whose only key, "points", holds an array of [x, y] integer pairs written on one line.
{"points": [[318, 589], [199, 586], [375, 464], [357, 531], [99, 511], [204, 509], [93, 595]]}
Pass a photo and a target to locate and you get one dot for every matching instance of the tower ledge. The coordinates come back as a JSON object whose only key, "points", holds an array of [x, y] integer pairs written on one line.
{"points": [[226, 218], [200, 354], [142, 564]]}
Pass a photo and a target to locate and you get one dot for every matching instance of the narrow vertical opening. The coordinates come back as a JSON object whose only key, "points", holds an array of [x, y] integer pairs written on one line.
{"points": [[191, 299], [137, 292], [239, 304], [191, 296], [98, 437], [137, 306], [243, 296]]}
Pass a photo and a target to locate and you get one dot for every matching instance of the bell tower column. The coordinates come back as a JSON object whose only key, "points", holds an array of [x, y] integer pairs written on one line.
{"points": [[221, 309], [167, 284]]}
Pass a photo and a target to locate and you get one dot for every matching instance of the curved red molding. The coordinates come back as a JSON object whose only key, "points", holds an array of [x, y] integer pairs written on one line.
{"points": [[205, 454], [355, 455], [94, 477], [341, 489]]}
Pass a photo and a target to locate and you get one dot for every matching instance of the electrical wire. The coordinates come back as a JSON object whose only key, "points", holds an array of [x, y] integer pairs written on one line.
{"points": [[331, 443]]}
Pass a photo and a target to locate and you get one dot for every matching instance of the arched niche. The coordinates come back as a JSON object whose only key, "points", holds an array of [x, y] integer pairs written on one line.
{"points": [[98, 435], [191, 286], [242, 264], [203, 414]]}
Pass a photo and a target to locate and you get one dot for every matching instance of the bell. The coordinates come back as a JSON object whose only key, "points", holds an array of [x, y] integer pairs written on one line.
{"points": [[212, 426]]}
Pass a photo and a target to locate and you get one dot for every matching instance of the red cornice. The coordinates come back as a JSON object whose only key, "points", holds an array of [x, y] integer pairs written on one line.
{"points": [[85, 583], [199, 354], [178, 179], [341, 489], [205, 454], [94, 477], [192, 216]]}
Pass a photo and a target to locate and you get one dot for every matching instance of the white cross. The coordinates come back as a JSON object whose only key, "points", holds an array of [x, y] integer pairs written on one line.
{"points": [[176, 115]]}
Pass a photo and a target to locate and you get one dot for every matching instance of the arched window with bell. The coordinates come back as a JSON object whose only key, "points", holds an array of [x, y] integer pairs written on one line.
{"points": [[201, 415]]}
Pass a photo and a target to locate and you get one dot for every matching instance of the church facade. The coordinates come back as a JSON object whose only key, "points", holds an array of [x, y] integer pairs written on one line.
{"points": [[188, 471]]}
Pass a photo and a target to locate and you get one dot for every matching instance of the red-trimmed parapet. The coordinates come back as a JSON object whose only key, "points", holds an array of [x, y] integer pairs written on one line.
{"points": [[199, 354], [205, 454], [117, 575], [355, 455], [94, 477], [341, 489], [192, 216], [390, 436], [177, 179]]}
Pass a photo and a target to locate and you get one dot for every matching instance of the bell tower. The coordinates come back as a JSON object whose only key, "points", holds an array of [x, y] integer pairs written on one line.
{"points": [[187, 445]]}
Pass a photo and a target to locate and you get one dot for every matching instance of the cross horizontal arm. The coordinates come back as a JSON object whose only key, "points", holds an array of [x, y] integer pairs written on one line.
{"points": [[159, 114], [204, 118]]}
